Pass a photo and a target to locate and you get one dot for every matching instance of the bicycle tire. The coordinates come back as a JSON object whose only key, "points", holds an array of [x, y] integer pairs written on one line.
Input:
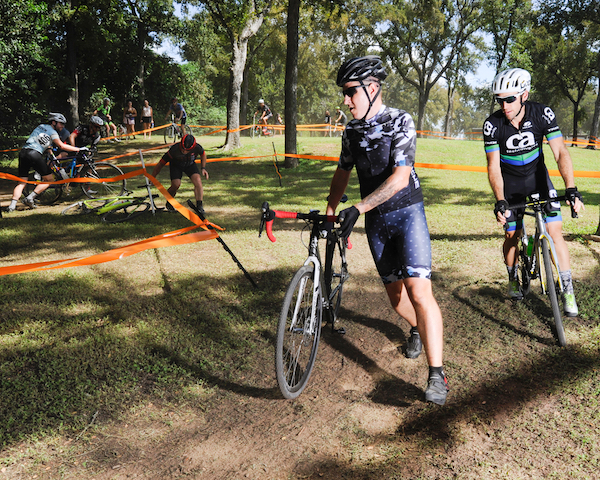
{"points": [[188, 130], [125, 212], [525, 269], [296, 346], [48, 196], [81, 208], [170, 134], [105, 189], [336, 273], [552, 294]]}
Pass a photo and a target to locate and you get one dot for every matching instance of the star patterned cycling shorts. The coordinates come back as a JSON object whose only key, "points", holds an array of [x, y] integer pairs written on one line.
{"points": [[400, 243]]}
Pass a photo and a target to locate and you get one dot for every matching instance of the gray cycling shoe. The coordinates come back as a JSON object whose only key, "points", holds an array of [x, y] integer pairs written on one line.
{"points": [[30, 202], [437, 389], [570, 305], [414, 346], [514, 290]]}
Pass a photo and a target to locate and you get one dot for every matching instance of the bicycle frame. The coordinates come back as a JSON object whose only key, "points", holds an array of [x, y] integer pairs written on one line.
{"points": [[541, 232]]}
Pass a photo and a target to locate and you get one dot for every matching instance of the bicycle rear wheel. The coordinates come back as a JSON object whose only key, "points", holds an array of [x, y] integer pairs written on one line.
{"points": [[48, 196], [126, 212], [552, 293], [105, 189], [336, 273], [297, 342]]}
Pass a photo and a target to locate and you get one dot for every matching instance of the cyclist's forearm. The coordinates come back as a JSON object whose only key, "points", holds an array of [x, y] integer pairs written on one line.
{"points": [[339, 182], [392, 185], [564, 162]]}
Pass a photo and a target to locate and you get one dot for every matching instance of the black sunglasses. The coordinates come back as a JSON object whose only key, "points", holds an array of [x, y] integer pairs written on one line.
{"points": [[351, 91], [510, 99]]}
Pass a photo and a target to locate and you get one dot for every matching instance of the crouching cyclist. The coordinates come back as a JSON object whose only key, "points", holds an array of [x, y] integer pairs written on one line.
{"points": [[181, 158]]}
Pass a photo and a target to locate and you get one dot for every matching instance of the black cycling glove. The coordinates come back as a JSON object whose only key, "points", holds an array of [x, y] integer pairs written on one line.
{"points": [[347, 219], [501, 206], [571, 194]]}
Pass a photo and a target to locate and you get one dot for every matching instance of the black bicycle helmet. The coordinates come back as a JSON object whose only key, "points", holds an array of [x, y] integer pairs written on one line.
{"points": [[188, 142], [359, 68]]}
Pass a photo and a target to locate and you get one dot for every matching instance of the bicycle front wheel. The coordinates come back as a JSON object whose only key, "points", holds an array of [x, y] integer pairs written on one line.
{"points": [[48, 196], [298, 334], [83, 208], [105, 189], [170, 134], [525, 268], [336, 273], [125, 212], [552, 293]]}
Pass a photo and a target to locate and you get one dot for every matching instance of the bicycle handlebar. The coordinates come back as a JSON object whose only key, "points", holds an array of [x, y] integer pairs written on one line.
{"points": [[541, 203], [268, 215]]}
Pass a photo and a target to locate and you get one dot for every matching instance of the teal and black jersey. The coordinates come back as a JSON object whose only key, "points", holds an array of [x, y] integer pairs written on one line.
{"points": [[521, 148]]}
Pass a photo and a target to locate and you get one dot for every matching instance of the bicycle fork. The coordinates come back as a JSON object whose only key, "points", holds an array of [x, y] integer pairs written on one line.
{"points": [[543, 234]]}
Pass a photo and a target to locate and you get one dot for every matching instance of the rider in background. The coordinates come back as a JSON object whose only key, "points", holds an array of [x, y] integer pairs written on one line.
{"points": [[178, 111], [341, 119], [265, 113], [381, 142], [85, 135], [513, 138], [31, 157], [181, 158]]}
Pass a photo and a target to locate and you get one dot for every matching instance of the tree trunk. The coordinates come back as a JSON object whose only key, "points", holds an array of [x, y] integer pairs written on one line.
{"points": [[423, 97], [449, 112], [575, 122], [596, 119], [291, 82], [238, 63], [244, 101], [73, 97]]}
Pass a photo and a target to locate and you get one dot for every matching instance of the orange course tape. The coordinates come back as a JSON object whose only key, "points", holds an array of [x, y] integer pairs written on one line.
{"points": [[175, 237]]}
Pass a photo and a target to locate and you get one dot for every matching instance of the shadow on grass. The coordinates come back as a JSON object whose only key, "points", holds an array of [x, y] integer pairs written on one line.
{"points": [[79, 344]]}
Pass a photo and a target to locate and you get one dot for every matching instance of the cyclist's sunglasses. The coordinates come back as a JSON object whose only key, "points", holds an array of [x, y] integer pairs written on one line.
{"points": [[510, 99], [351, 91]]}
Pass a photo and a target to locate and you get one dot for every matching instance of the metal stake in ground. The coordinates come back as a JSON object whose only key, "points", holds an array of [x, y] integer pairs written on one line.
{"points": [[276, 164], [227, 249]]}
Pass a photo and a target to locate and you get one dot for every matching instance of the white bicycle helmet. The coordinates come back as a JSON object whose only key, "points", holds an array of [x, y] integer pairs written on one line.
{"points": [[261, 102], [56, 117], [511, 80]]}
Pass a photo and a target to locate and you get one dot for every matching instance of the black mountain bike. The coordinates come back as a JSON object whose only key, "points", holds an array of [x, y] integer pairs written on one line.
{"points": [[311, 292], [538, 258]]}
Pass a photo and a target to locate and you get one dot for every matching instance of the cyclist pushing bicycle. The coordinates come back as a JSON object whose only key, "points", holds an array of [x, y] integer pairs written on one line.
{"points": [[381, 142], [31, 157], [513, 138]]}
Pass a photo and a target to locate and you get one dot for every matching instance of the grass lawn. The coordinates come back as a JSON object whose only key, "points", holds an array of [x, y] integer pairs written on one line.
{"points": [[160, 365]]}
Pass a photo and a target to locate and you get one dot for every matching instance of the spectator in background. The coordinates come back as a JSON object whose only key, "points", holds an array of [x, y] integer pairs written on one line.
{"points": [[279, 121], [147, 119], [103, 111], [327, 123], [129, 116]]}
